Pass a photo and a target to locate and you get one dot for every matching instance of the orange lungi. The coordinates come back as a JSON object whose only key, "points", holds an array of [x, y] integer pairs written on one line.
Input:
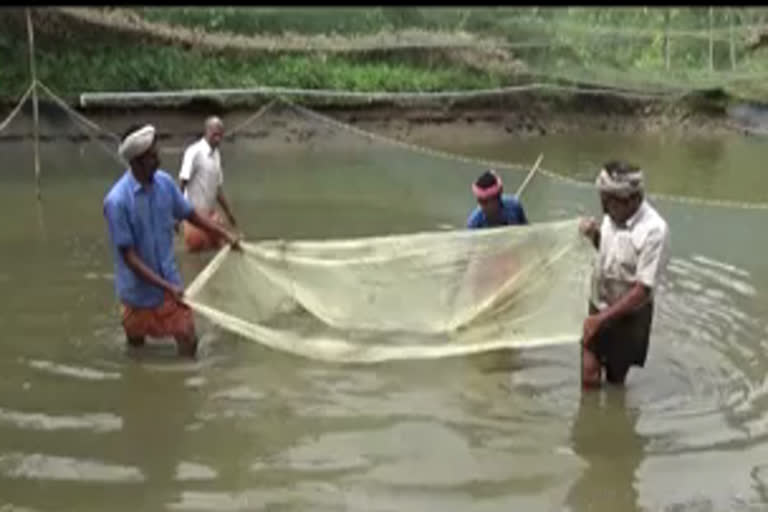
{"points": [[171, 318], [196, 239]]}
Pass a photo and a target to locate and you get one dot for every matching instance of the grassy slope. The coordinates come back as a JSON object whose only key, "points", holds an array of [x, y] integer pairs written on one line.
{"points": [[102, 61], [77, 59]]}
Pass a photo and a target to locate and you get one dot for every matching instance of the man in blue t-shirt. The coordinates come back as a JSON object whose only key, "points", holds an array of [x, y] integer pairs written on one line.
{"points": [[140, 210], [494, 208]]}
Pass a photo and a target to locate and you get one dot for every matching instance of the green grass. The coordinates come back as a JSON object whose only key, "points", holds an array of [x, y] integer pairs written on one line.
{"points": [[154, 68], [325, 20], [503, 21], [71, 65]]}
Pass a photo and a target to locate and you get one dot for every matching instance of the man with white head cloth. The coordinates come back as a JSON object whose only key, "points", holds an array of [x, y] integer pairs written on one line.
{"points": [[632, 244], [202, 180], [140, 210]]}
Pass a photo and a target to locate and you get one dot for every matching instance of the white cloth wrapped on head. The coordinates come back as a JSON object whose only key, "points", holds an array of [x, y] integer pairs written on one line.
{"points": [[137, 143], [620, 184]]}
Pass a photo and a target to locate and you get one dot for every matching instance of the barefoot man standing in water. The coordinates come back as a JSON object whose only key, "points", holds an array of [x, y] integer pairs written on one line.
{"points": [[140, 210], [632, 245], [201, 180]]}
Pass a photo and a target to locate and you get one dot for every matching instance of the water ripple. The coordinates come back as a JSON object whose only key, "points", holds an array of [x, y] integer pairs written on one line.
{"points": [[705, 335], [73, 371], [97, 422], [47, 467], [189, 471]]}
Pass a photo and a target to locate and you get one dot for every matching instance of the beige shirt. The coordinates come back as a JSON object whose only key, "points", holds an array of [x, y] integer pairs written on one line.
{"points": [[201, 167], [636, 252]]}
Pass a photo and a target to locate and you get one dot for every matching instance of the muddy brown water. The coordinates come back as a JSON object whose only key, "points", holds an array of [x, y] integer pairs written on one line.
{"points": [[85, 425]]}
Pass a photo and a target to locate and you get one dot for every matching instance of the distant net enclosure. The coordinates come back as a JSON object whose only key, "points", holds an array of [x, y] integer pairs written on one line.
{"points": [[77, 163], [661, 52]]}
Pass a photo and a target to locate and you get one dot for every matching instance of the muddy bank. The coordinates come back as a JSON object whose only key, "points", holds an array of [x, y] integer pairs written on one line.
{"points": [[519, 115]]}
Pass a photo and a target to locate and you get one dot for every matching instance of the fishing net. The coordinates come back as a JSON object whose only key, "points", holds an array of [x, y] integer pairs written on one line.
{"points": [[423, 295], [331, 287]]}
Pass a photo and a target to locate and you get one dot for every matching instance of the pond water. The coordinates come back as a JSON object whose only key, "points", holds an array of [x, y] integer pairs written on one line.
{"points": [[84, 425]]}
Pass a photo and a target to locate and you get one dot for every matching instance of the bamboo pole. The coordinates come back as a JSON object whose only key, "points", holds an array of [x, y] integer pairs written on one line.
{"points": [[731, 19], [529, 176], [667, 58], [711, 40], [35, 106]]}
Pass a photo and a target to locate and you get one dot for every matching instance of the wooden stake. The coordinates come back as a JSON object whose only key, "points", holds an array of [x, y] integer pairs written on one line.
{"points": [[35, 107]]}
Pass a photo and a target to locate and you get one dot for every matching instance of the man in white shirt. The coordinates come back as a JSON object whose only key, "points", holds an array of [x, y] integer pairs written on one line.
{"points": [[201, 180], [632, 245]]}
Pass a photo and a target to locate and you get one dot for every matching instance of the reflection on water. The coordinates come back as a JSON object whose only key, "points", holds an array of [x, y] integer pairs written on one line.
{"points": [[248, 428], [604, 436]]}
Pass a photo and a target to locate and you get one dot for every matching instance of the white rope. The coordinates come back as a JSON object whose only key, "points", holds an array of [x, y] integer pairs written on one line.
{"points": [[506, 165], [744, 205], [85, 98], [413, 147], [112, 152], [263, 110], [711, 202], [77, 115], [16, 109]]}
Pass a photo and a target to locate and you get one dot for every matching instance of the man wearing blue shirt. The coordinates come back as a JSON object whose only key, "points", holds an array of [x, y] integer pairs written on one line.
{"points": [[494, 208], [140, 210]]}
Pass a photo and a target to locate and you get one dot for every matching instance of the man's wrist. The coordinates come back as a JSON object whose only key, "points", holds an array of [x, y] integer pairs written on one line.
{"points": [[603, 315]]}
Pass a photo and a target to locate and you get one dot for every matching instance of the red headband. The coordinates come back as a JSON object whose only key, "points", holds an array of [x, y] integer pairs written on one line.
{"points": [[486, 193]]}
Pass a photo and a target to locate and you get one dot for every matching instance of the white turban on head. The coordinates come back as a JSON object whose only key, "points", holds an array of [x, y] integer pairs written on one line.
{"points": [[620, 184], [137, 143]]}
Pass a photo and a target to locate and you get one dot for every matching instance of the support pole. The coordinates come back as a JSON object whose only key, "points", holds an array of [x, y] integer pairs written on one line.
{"points": [[667, 51], [35, 109], [711, 40], [529, 176], [732, 20]]}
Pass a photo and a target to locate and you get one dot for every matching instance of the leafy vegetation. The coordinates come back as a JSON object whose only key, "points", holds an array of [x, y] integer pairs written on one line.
{"points": [[316, 21], [639, 48]]}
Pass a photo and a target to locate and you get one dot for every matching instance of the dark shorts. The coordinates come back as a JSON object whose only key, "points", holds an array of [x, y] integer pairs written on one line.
{"points": [[624, 342]]}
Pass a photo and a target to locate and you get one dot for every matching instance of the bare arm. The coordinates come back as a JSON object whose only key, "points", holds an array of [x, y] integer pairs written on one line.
{"points": [[187, 168], [142, 270], [225, 206], [207, 224], [634, 298], [595, 237], [589, 228], [182, 187]]}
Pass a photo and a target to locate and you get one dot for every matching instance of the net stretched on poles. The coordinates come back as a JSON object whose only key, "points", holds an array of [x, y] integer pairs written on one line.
{"points": [[413, 296]]}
